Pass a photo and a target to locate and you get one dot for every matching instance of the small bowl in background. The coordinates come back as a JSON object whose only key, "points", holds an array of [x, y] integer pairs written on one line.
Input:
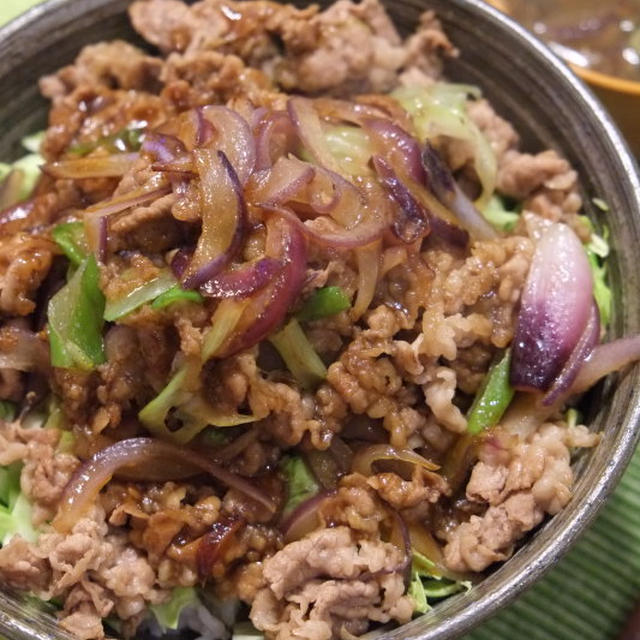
{"points": [[620, 96]]}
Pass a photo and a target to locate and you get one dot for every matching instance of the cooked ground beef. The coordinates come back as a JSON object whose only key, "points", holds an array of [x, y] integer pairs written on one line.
{"points": [[373, 400]]}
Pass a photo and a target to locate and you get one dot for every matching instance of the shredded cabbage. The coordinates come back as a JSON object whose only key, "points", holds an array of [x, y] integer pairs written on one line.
{"points": [[351, 148], [15, 509], [28, 166], [147, 292], [597, 251], [426, 585], [497, 213], [441, 110], [168, 614]]}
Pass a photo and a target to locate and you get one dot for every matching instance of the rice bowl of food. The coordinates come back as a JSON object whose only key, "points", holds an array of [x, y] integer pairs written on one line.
{"points": [[299, 311]]}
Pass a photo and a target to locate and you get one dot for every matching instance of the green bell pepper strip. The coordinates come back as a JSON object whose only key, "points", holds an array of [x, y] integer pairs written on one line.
{"points": [[75, 320], [299, 356], [494, 397], [69, 236], [324, 302], [142, 294], [176, 294]]}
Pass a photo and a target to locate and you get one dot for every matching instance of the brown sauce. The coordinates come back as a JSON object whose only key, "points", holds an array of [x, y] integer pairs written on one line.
{"points": [[603, 36]]}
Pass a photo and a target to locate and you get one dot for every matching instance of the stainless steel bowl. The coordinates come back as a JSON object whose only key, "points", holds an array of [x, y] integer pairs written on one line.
{"points": [[550, 108]]}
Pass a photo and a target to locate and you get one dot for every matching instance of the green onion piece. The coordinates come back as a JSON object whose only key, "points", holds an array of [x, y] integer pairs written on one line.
{"points": [[176, 294], [33, 142], [224, 321], [127, 139], [493, 398], [75, 320], [324, 302], [69, 236], [146, 292], [299, 356], [190, 409], [7, 410], [300, 482]]}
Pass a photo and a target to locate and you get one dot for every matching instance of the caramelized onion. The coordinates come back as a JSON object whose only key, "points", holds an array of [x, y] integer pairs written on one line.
{"points": [[304, 518], [267, 310], [308, 126], [275, 137], [86, 483], [326, 232], [243, 281], [605, 359], [224, 214], [232, 136], [364, 459], [440, 180], [113, 166], [214, 543], [412, 220]]}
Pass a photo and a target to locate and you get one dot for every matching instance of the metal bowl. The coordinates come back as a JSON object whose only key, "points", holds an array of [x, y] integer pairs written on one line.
{"points": [[550, 107]]}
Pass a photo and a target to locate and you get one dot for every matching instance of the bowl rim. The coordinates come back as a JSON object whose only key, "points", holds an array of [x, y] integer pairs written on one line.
{"points": [[568, 526]]}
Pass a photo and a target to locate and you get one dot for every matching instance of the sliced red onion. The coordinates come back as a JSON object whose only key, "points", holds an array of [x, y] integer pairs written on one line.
{"points": [[348, 111], [214, 543], [233, 136], [163, 147], [88, 480], [555, 308], [309, 128], [567, 376], [103, 239], [113, 166], [224, 214], [451, 234], [367, 456], [397, 147], [287, 178], [441, 181], [605, 359], [275, 137], [332, 235], [180, 262], [180, 164], [412, 220], [204, 130], [243, 281], [368, 259], [304, 518], [22, 350], [127, 200], [269, 308], [95, 217]]}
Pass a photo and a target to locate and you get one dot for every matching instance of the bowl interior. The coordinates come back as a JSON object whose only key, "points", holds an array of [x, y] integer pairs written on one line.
{"points": [[549, 107]]}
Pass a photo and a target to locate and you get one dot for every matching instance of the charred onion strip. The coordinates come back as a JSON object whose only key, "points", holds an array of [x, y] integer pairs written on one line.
{"points": [[88, 480]]}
